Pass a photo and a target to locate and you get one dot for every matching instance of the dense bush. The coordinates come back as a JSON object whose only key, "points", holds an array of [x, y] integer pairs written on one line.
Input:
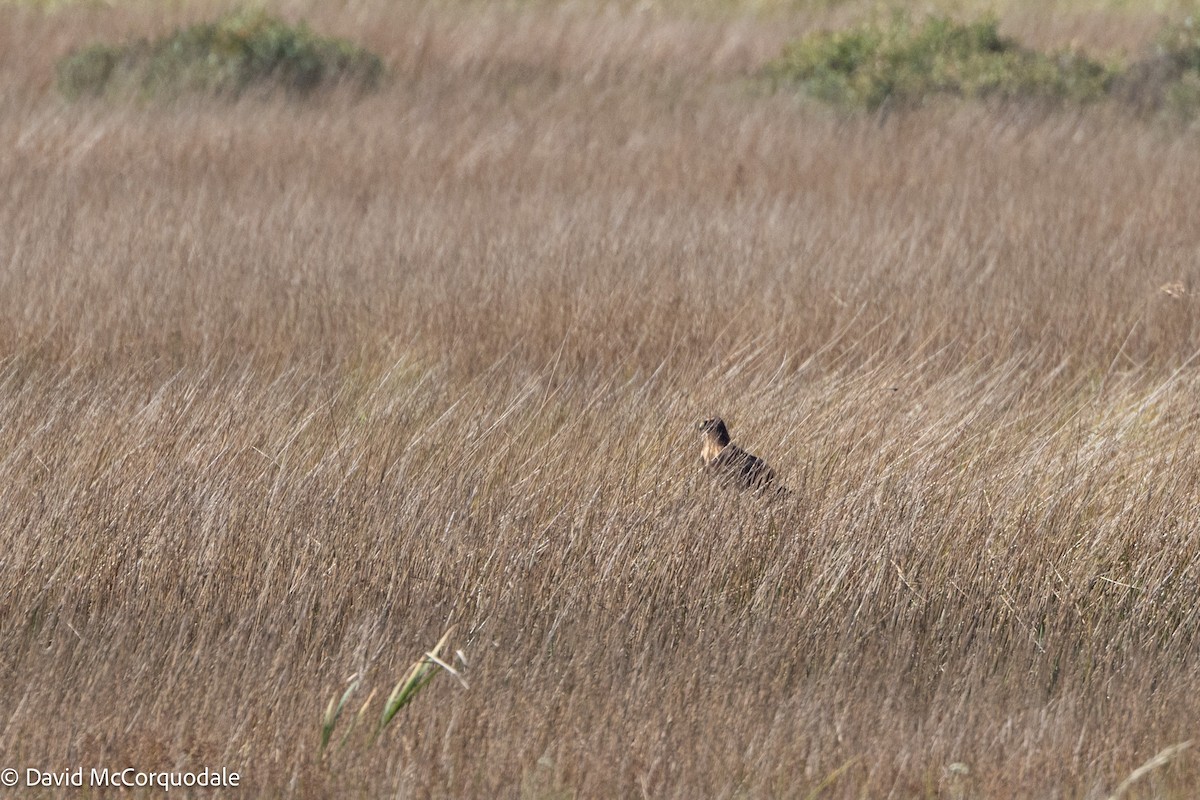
{"points": [[1168, 78], [228, 56], [900, 60]]}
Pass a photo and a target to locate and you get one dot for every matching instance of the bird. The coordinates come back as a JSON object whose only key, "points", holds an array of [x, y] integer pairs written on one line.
{"points": [[729, 464]]}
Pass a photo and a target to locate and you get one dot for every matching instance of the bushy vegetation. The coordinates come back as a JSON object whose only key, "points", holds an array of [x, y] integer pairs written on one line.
{"points": [[899, 59], [239, 50], [1168, 78]]}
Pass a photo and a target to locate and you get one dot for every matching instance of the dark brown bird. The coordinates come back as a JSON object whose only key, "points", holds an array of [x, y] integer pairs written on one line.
{"points": [[730, 464]]}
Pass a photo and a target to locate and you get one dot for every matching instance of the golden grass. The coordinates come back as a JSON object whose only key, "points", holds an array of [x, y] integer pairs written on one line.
{"points": [[286, 391]]}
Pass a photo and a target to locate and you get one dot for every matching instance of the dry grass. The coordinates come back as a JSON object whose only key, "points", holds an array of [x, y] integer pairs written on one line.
{"points": [[286, 391]]}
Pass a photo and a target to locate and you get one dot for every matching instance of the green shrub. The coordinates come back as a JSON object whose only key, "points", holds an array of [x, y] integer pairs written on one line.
{"points": [[1168, 78], [905, 62], [238, 51]]}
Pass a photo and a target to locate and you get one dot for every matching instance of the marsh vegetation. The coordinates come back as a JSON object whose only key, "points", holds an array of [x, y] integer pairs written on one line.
{"points": [[288, 389]]}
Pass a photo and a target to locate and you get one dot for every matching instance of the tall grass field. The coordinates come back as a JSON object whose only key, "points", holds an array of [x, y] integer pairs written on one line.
{"points": [[348, 438]]}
